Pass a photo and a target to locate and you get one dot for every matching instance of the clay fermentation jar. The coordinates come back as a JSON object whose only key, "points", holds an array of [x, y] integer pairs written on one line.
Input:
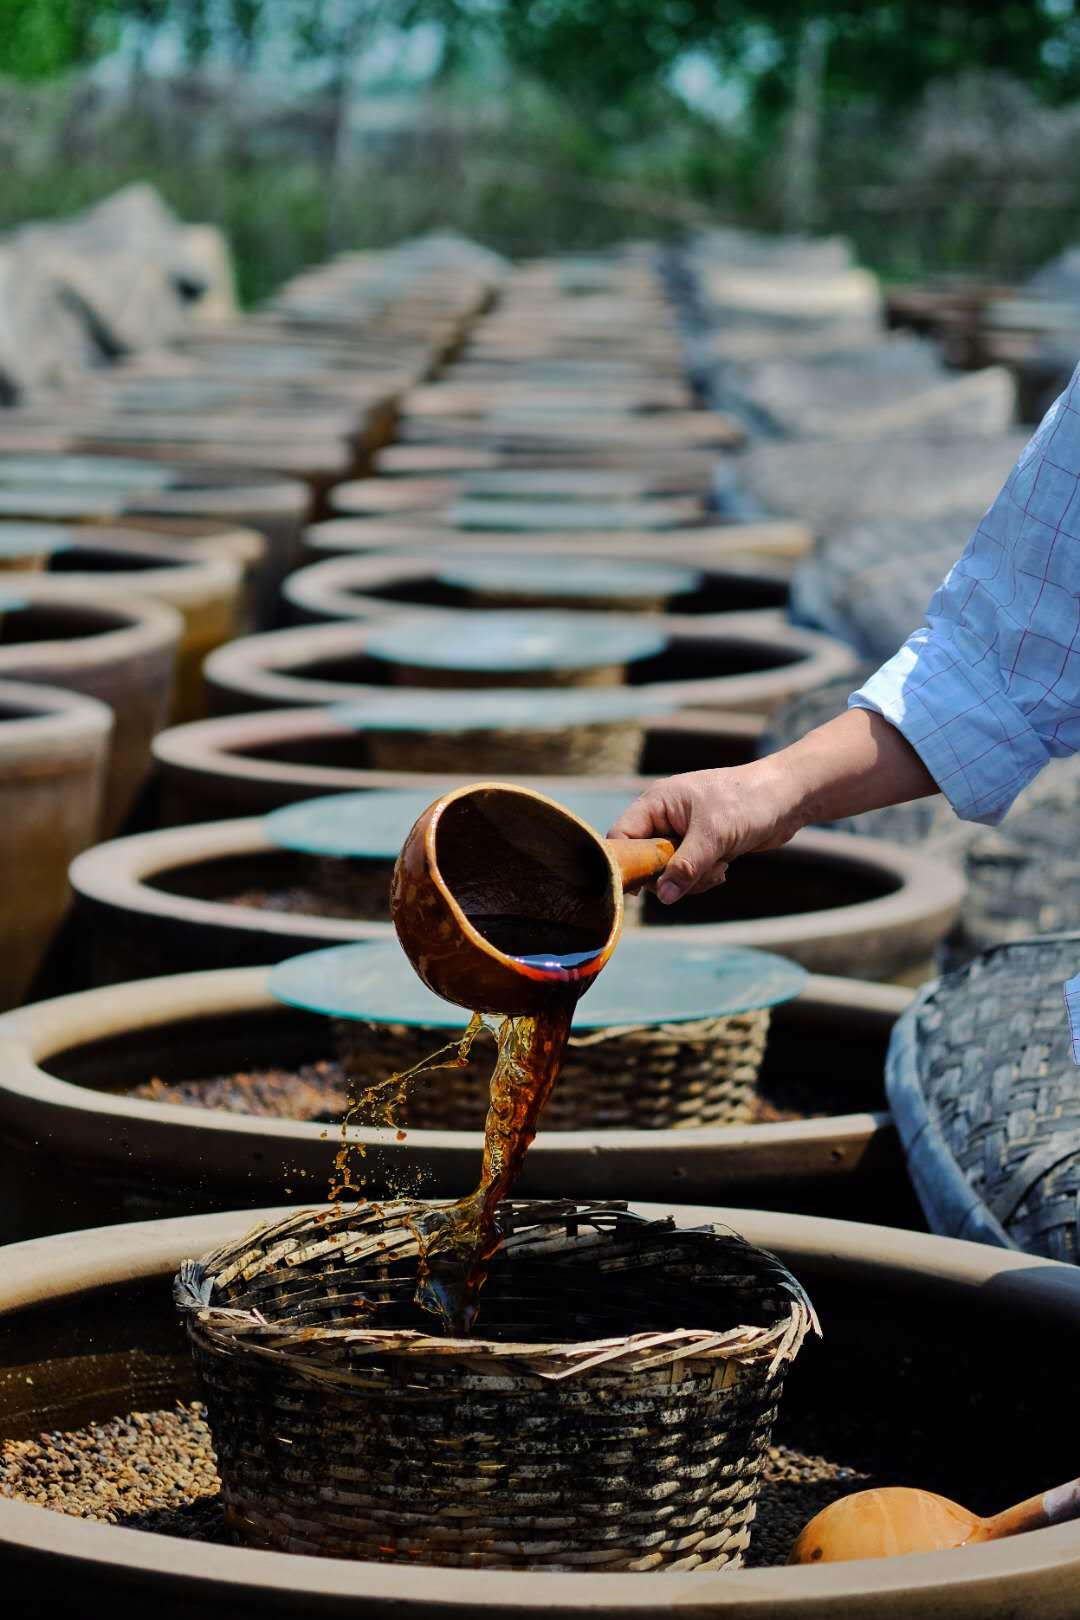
{"points": [[223, 895], [371, 587], [86, 1319], [54, 752], [207, 591], [742, 662], [68, 1064], [84, 489], [245, 764], [125, 655], [778, 545]]}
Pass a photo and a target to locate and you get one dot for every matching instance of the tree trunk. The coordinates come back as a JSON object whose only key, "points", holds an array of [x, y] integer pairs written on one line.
{"points": [[804, 129], [341, 165]]}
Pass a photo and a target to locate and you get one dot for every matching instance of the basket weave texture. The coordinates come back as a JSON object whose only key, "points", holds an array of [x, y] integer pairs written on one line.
{"points": [[986, 1097], [428, 676], [649, 1077], [33, 562], [1023, 878], [609, 748], [592, 1429], [614, 603]]}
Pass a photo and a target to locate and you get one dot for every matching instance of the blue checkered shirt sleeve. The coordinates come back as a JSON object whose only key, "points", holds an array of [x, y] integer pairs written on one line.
{"points": [[988, 690]]}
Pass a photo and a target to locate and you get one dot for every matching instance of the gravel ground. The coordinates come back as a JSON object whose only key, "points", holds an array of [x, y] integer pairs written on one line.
{"points": [[156, 1471], [298, 899], [318, 1093], [795, 1486], [148, 1470]]}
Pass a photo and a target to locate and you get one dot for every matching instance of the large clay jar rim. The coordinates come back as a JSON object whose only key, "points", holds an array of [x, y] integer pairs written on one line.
{"points": [[476, 939]]}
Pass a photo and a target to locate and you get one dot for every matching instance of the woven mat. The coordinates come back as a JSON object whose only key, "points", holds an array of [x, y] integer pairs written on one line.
{"points": [[1023, 877], [986, 1097]]}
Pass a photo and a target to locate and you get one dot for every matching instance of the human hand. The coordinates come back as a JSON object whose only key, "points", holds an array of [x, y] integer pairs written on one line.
{"points": [[712, 816]]}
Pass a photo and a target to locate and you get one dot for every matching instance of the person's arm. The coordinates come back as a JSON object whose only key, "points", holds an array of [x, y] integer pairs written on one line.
{"points": [[854, 763], [974, 704]]}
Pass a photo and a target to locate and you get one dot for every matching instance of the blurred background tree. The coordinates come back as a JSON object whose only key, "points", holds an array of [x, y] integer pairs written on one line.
{"points": [[48, 37], [939, 135]]}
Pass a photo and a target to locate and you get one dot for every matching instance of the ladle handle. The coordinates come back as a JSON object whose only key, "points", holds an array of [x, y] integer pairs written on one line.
{"points": [[1056, 1506], [640, 859]]}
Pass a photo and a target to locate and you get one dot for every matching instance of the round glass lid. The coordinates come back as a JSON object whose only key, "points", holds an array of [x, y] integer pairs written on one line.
{"points": [[33, 539], [513, 641], [649, 980], [373, 826], [94, 472], [540, 516], [521, 708], [553, 484], [586, 577], [63, 501]]}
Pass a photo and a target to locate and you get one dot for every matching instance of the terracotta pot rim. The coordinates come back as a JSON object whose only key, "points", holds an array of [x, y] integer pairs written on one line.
{"points": [[1044, 1562], [199, 537], [30, 1036], [183, 575], [193, 747], [209, 747], [342, 587], [201, 483], [145, 625], [256, 670], [58, 715], [114, 874], [785, 539]]}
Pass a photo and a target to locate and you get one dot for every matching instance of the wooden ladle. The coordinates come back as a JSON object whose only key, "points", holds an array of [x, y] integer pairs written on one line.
{"points": [[492, 854], [896, 1520]]}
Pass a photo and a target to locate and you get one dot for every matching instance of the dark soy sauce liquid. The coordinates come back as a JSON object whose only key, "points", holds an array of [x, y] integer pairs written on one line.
{"points": [[539, 942], [457, 1242]]}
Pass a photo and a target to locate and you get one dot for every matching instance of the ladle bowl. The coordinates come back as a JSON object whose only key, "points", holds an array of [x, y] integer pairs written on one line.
{"points": [[899, 1520], [491, 856]]}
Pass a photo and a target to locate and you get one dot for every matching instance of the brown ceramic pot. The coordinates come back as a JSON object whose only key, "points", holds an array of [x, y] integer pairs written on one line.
{"points": [[125, 655], [70, 1064], [779, 544], [207, 591], [245, 764], [275, 506], [205, 538], [372, 587], [216, 896], [743, 662], [90, 1314], [54, 751]]}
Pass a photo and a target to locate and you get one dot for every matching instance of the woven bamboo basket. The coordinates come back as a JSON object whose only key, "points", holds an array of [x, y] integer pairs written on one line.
{"points": [[653, 1077], [356, 887], [471, 679], [24, 562], [986, 1098], [608, 748], [616, 1416], [615, 603]]}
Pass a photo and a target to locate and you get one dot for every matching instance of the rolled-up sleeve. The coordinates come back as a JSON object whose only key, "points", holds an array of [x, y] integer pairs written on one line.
{"points": [[989, 689]]}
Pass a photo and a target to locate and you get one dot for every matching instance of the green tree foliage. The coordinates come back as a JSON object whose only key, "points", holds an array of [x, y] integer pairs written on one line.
{"points": [[601, 54], [40, 38]]}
